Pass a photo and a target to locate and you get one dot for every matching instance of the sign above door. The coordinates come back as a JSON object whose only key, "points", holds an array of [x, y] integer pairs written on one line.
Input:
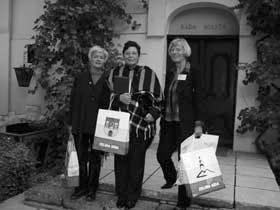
{"points": [[204, 21]]}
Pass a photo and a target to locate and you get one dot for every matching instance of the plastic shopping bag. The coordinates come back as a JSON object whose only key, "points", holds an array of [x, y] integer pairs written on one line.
{"points": [[198, 168], [72, 164], [204, 141]]}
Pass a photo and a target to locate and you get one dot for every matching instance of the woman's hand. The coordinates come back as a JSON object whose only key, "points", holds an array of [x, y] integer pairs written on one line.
{"points": [[125, 98], [198, 130], [149, 118]]}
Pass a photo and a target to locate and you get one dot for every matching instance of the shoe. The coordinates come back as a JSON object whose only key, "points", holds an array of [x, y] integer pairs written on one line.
{"points": [[120, 203], [130, 205], [91, 196], [79, 193], [168, 185]]}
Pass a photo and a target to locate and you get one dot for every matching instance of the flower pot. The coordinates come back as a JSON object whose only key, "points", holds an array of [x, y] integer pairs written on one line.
{"points": [[24, 75]]}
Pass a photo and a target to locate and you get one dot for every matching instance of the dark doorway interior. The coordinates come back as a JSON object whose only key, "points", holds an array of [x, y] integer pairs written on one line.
{"points": [[216, 57]]}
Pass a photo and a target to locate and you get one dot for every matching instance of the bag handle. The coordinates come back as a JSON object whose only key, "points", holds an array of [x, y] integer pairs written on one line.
{"points": [[70, 144], [111, 101]]}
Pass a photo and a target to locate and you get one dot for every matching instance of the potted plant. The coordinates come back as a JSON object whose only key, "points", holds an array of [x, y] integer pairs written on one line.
{"points": [[24, 75]]}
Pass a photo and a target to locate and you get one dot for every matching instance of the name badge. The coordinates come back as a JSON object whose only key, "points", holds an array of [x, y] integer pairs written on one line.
{"points": [[182, 77]]}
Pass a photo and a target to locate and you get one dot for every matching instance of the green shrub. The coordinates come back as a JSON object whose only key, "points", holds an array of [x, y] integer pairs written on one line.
{"points": [[17, 165], [62, 37], [55, 156]]}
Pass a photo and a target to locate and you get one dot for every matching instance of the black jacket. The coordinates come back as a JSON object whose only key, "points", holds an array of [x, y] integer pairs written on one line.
{"points": [[86, 98], [192, 101]]}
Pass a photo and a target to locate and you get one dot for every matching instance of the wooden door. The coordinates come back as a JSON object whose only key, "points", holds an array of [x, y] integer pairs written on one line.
{"points": [[216, 58]]}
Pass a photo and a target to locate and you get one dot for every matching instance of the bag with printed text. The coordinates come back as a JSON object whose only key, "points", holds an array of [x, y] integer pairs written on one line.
{"points": [[112, 132], [198, 168]]}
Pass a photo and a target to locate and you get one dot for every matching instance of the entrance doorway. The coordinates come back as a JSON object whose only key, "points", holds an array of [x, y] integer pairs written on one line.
{"points": [[216, 57]]}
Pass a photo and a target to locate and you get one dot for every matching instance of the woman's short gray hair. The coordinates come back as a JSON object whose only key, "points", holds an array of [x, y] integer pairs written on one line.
{"points": [[97, 48], [182, 43]]}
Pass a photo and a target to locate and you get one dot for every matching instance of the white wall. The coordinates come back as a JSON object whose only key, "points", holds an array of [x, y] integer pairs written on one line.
{"points": [[245, 94], [204, 21], [151, 35], [162, 11], [24, 13], [4, 56]]}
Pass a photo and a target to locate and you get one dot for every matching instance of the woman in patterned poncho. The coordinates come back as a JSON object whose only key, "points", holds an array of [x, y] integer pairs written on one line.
{"points": [[143, 103]]}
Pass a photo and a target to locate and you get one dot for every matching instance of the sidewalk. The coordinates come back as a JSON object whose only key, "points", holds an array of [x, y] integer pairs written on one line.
{"points": [[250, 184]]}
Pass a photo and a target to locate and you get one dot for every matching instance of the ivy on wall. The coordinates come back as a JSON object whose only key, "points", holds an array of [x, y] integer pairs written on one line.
{"points": [[264, 18], [63, 36], [145, 4]]}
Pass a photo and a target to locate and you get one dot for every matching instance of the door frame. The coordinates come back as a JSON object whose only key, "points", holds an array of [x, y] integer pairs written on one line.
{"points": [[213, 37]]}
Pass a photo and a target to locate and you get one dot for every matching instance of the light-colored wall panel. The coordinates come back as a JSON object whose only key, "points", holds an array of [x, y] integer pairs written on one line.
{"points": [[20, 97], [4, 73], [25, 12], [204, 21], [156, 18], [245, 95], [245, 28], [4, 55], [135, 6], [140, 23], [161, 11], [4, 16]]}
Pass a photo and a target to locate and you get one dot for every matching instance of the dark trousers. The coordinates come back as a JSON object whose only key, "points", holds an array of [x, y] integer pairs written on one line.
{"points": [[129, 169], [89, 162], [169, 142]]}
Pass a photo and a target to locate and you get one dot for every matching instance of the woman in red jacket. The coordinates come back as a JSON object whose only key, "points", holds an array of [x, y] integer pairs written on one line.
{"points": [[89, 93]]}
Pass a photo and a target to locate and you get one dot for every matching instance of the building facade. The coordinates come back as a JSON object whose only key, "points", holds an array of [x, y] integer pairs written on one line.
{"points": [[217, 33]]}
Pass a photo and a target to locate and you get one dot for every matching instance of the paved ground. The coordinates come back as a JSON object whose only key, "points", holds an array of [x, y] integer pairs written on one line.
{"points": [[250, 184], [103, 201], [16, 203], [249, 181]]}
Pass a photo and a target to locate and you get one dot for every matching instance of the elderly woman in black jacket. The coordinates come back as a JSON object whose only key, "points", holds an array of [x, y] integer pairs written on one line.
{"points": [[183, 113], [89, 93]]}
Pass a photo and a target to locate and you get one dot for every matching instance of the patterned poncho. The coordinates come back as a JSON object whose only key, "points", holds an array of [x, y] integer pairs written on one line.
{"points": [[146, 98]]}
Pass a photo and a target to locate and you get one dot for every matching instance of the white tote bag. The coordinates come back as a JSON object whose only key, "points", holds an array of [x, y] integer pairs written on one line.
{"points": [[112, 131], [200, 172], [198, 168], [72, 164]]}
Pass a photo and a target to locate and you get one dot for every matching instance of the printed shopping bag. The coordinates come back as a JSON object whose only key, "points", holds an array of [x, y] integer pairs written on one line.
{"points": [[112, 131], [200, 172], [72, 164]]}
